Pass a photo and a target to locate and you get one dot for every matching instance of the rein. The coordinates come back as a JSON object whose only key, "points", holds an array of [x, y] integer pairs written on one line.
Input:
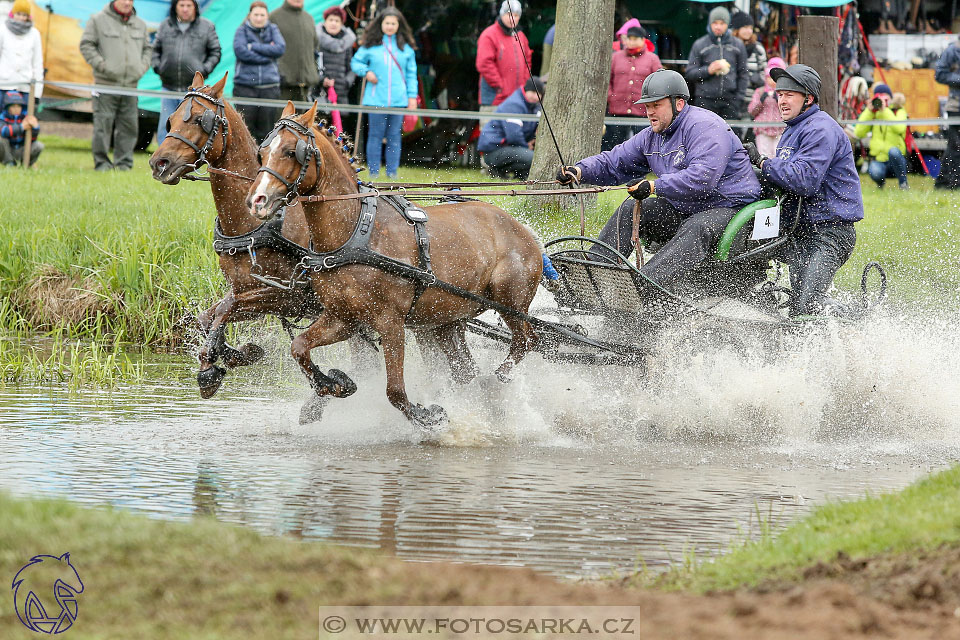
{"points": [[444, 194]]}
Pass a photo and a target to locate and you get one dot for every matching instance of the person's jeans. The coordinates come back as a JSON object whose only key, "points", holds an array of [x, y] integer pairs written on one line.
{"points": [[896, 165], [949, 177], [114, 116], [167, 107], [382, 126], [259, 120], [688, 240], [13, 155], [814, 255], [508, 159]]}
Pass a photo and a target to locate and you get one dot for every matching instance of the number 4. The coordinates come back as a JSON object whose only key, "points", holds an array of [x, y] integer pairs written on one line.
{"points": [[767, 223]]}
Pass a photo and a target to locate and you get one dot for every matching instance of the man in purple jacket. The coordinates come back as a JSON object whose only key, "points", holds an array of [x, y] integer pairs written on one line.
{"points": [[703, 177], [815, 167]]}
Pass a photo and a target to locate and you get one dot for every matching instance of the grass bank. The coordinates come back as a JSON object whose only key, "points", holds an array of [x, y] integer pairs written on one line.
{"points": [[120, 255], [204, 579], [921, 517]]}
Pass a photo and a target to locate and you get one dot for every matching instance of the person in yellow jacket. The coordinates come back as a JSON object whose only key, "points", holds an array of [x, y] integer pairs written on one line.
{"points": [[888, 142]]}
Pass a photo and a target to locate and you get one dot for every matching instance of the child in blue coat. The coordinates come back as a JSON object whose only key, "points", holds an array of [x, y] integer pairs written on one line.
{"points": [[388, 63]]}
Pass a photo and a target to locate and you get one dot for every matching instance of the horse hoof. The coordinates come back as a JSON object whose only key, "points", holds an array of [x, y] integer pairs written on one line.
{"points": [[427, 417], [245, 355], [504, 377], [312, 409], [209, 381], [343, 382]]}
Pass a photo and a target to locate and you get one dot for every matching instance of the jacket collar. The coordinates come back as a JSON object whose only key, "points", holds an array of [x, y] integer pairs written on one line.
{"points": [[803, 116], [670, 130]]}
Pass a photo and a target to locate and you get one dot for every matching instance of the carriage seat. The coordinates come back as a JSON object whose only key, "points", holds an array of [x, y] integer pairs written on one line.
{"points": [[737, 244]]}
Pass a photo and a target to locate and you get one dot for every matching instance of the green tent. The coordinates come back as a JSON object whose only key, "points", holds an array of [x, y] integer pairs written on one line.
{"points": [[228, 15]]}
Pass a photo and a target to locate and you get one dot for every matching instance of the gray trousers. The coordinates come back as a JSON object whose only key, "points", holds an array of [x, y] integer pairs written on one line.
{"points": [[507, 159], [114, 117], [814, 255], [688, 240], [14, 155]]}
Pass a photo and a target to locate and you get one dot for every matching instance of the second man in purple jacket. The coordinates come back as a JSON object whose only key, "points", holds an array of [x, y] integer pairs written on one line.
{"points": [[703, 177]]}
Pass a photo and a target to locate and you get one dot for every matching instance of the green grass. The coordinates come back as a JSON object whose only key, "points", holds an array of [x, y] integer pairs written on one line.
{"points": [[923, 516], [144, 249]]}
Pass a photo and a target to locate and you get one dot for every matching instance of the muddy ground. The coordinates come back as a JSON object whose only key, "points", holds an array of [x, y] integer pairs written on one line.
{"points": [[908, 596]]}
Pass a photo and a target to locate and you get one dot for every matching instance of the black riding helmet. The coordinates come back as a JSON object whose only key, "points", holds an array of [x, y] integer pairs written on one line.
{"points": [[663, 83], [798, 77]]}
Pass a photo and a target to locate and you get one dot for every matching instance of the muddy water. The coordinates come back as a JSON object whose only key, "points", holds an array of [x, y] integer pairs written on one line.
{"points": [[567, 470]]}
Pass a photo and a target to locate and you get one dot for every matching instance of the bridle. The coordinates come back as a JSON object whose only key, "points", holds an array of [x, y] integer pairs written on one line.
{"points": [[306, 151], [211, 122]]}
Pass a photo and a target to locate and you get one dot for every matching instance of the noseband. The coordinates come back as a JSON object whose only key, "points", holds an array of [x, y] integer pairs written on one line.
{"points": [[306, 151], [211, 122]]}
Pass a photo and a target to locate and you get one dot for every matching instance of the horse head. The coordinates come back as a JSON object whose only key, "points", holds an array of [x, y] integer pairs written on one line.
{"points": [[41, 584], [298, 158], [290, 163], [196, 132]]}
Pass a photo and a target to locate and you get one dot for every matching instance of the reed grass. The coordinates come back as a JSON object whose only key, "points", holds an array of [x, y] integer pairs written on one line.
{"points": [[76, 364]]}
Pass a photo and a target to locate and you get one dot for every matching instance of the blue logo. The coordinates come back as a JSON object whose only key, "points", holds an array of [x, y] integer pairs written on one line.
{"points": [[45, 594]]}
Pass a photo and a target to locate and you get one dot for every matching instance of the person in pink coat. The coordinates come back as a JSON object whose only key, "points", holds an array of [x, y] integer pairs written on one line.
{"points": [[763, 108]]}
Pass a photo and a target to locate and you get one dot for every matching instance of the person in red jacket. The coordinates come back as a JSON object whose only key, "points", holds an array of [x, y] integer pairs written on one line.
{"points": [[629, 67], [502, 62]]}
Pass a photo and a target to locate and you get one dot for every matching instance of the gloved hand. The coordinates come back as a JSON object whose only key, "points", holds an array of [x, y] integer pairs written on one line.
{"points": [[639, 188], [568, 174], [755, 158]]}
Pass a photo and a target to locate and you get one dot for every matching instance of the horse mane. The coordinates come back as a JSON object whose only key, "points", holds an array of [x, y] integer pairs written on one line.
{"points": [[343, 144]]}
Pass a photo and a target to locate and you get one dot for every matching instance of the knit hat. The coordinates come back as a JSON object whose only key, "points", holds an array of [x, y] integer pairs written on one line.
{"points": [[632, 22], [12, 97], [21, 6], [534, 83], [775, 63], [636, 32], [740, 19], [510, 6], [719, 13], [882, 88], [335, 10]]}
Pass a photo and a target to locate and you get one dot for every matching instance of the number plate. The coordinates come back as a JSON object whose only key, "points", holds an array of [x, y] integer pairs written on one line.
{"points": [[766, 223]]}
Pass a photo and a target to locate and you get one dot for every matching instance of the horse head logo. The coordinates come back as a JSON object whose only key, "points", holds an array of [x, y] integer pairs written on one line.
{"points": [[45, 594], [680, 156]]}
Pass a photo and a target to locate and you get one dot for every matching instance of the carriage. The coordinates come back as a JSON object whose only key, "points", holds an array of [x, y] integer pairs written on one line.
{"points": [[303, 237]]}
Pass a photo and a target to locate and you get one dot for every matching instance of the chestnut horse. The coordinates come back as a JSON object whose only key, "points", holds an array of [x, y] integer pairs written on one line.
{"points": [[205, 128], [473, 245]]}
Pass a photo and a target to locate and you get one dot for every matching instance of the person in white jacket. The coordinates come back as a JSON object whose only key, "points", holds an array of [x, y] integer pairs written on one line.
{"points": [[21, 52]]}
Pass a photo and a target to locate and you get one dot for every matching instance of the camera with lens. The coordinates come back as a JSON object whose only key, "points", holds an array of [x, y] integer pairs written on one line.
{"points": [[877, 104]]}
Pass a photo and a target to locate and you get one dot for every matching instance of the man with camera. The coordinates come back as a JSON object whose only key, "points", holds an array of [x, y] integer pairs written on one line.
{"points": [[888, 142]]}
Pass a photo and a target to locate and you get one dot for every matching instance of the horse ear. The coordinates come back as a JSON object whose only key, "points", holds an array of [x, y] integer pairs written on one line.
{"points": [[310, 116], [288, 110], [197, 80], [65, 557], [218, 88]]}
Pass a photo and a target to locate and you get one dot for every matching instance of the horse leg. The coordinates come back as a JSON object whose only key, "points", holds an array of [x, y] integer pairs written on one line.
{"points": [[452, 340], [323, 331], [391, 337], [507, 291]]}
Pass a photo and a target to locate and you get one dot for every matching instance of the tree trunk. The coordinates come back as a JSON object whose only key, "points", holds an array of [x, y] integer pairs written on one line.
{"points": [[576, 94]]}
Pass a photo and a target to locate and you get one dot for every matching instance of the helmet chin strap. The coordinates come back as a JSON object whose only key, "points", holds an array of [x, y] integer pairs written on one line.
{"points": [[673, 107], [805, 104]]}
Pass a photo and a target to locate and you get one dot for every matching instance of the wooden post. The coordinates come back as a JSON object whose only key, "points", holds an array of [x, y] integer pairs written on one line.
{"points": [[28, 133], [818, 49]]}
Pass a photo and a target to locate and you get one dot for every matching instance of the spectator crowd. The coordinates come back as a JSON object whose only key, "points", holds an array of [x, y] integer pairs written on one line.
{"points": [[285, 54]]}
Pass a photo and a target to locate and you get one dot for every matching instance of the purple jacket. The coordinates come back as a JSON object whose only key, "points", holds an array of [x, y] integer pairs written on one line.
{"points": [[815, 160], [700, 164]]}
